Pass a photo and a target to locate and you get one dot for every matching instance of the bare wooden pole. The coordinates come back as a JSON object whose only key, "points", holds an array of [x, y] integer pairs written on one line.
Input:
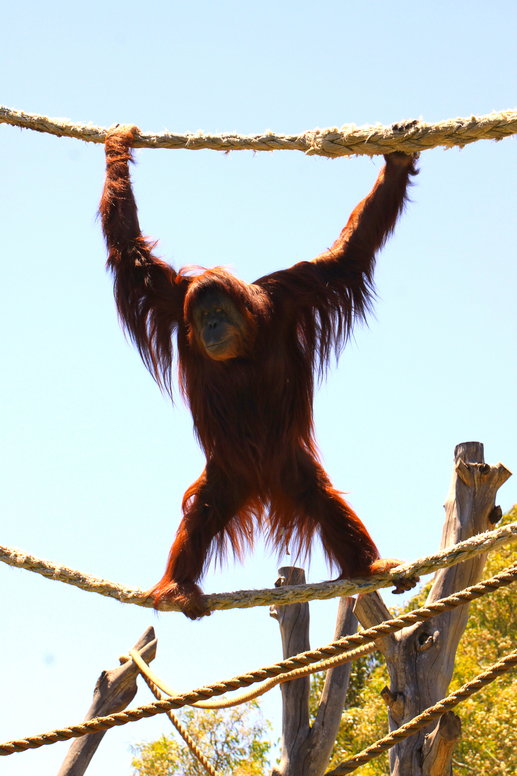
{"points": [[294, 629], [114, 691], [306, 749]]}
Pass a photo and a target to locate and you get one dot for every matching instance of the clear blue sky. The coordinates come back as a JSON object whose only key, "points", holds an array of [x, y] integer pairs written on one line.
{"points": [[94, 461]]}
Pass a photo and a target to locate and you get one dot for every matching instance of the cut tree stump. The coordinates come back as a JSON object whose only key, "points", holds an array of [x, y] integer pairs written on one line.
{"points": [[114, 691]]}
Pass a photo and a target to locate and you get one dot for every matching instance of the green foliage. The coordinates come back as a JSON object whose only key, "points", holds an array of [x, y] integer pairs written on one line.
{"points": [[232, 740], [488, 743]]}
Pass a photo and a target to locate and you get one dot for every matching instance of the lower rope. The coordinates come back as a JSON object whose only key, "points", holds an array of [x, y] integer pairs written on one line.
{"points": [[225, 703], [282, 667], [156, 686], [472, 687]]}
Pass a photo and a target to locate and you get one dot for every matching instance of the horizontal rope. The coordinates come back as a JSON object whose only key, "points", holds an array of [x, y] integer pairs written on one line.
{"points": [[288, 594], [349, 140], [282, 667]]}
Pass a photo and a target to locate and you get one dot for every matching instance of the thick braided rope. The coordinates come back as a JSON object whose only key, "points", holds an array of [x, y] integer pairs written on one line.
{"points": [[468, 689], [349, 140], [281, 596], [250, 695], [182, 730], [282, 667]]}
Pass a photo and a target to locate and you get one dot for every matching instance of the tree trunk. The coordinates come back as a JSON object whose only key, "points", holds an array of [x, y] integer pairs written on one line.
{"points": [[420, 658]]}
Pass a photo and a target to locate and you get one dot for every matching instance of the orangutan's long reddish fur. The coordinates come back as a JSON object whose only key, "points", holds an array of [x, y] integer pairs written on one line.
{"points": [[252, 414]]}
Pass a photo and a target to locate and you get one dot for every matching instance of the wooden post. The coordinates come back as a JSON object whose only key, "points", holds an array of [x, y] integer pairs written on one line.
{"points": [[420, 658], [115, 689], [294, 629], [306, 749]]}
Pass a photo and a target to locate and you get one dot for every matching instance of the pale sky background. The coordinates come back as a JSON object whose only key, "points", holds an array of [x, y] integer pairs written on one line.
{"points": [[93, 460]]}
